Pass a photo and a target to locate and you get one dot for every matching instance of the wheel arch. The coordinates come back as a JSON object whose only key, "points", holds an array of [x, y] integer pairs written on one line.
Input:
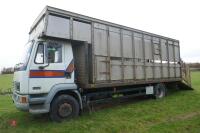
{"points": [[59, 89]]}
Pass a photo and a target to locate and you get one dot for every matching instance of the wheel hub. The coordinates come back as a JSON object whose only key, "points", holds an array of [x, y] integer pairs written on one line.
{"points": [[65, 110]]}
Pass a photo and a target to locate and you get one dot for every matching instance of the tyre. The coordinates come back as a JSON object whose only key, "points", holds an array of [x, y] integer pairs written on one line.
{"points": [[159, 91], [64, 107]]}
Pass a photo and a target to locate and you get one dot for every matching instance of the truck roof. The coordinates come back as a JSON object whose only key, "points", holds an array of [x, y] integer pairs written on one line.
{"points": [[64, 13]]}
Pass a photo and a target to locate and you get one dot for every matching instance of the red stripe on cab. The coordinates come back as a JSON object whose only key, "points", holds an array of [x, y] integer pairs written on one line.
{"points": [[46, 73]]}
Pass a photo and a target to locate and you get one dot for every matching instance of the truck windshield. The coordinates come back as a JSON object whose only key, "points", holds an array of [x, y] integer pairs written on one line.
{"points": [[25, 57]]}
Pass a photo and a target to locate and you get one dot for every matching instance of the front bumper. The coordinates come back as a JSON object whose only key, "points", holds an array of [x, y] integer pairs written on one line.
{"points": [[17, 100], [36, 105]]}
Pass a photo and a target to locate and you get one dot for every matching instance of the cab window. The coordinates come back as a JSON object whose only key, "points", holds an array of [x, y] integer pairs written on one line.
{"points": [[54, 53], [39, 58]]}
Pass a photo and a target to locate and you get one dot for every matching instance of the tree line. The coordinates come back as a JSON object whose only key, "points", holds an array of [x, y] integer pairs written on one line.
{"points": [[7, 70], [194, 65]]}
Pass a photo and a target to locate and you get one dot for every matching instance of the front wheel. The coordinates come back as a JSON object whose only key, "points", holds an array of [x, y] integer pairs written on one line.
{"points": [[64, 107]]}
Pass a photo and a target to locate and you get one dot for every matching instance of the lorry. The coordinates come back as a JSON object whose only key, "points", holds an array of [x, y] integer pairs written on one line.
{"points": [[72, 60]]}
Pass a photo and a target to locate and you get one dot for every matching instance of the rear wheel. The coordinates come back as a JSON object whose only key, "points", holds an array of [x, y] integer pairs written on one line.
{"points": [[64, 107], [159, 91]]}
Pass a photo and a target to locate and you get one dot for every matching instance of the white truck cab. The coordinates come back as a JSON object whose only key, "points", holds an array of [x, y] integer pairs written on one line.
{"points": [[47, 64]]}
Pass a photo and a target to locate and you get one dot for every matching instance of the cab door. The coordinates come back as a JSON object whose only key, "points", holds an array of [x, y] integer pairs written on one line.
{"points": [[49, 66]]}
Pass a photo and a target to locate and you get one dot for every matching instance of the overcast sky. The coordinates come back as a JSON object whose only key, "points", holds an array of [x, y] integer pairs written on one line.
{"points": [[178, 19]]}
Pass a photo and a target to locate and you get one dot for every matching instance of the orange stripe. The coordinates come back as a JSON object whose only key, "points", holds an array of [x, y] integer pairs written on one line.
{"points": [[46, 73]]}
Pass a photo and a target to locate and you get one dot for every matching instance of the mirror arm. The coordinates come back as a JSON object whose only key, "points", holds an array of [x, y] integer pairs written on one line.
{"points": [[42, 67]]}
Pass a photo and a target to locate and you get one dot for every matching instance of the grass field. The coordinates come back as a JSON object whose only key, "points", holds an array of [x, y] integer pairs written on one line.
{"points": [[5, 82], [179, 112]]}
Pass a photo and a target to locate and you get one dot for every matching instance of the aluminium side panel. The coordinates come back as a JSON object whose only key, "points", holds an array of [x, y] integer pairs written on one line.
{"points": [[127, 44], [101, 68], [58, 27], [115, 54], [171, 59], [157, 60], [139, 56], [81, 31], [128, 69], [100, 52], [116, 72], [128, 61], [148, 57], [164, 58], [100, 40], [114, 34]]}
